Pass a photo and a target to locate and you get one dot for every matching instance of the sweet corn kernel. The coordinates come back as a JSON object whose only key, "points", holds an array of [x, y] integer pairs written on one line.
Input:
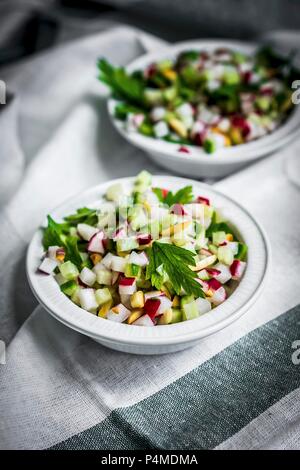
{"points": [[96, 258], [103, 311], [60, 256], [176, 228], [135, 314], [137, 299], [147, 206], [176, 301], [209, 293], [178, 127], [229, 237], [170, 74]]}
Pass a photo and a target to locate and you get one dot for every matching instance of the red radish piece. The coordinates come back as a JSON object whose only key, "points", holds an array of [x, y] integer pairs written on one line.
{"points": [[47, 266], [213, 272], [140, 259], [51, 252], [165, 304], [118, 263], [87, 299], [225, 274], [151, 307], [107, 260], [223, 244], [144, 320], [178, 209], [237, 269], [153, 294], [127, 286], [119, 313], [218, 296], [150, 71], [87, 276], [95, 244], [214, 284], [119, 233], [183, 149], [241, 123], [144, 239], [86, 231], [247, 76], [203, 200], [206, 252]]}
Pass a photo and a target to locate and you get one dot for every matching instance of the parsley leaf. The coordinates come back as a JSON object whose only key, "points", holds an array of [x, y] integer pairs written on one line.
{"points": [[54, 233], [83, 215], [176, 262], [183, 196], [72, 251], [129, 87]]}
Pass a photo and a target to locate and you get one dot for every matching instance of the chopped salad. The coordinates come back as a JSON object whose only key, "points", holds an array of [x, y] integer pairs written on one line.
{"points": [[210, 100], [146, 257]]}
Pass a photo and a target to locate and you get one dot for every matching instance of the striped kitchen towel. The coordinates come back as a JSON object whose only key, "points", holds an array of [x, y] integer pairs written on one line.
{"points": [[237, 389]]}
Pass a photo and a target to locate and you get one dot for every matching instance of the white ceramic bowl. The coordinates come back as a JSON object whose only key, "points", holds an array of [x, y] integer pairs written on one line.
{"points": [[198, 163], [159, 339]]}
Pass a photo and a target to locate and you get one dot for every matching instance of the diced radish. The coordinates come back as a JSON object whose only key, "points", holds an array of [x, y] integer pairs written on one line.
{"points": [[144, 239], [214, 284], [86, 231], [87, 276], [241, 123], [52, 252], [99, 267], [151, 307], [237, 269], [204, 285], [119, 233], [158, 113], [144, 320], [218, 296], [119, 313], [203, 306], [150, 71], [153, 294], [203, 200], [140, 259], [234, 246], [48, 265], [96, 243], [205, 252], [178, 209], [87, 299], [165, 304], [183, 149], [127, 286], [134, 121], [107, 260], [161, 129], [213, 272], [118, 264], [224, 273]]}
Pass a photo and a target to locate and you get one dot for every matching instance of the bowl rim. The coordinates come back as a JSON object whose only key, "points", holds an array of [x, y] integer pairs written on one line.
{"points": [[47, 291], [238, 154]]}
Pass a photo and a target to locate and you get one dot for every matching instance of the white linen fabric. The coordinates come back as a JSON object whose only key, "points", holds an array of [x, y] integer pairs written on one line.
{"points": [[57, 383]]}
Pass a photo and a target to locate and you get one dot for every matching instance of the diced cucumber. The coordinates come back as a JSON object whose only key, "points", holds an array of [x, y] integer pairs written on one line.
{"points": [[209, 145], [153, 96], [103, 295], [75, 296], [170, 93], [218, 238], [190, 311], [137, 217], [225, 255], [213, 249], [114, 192], [69, 287], [69, 270], [176, 315], [104, 277], [186, 299], [144, 178], [133, 270], [127, 244], [231, 77]]}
